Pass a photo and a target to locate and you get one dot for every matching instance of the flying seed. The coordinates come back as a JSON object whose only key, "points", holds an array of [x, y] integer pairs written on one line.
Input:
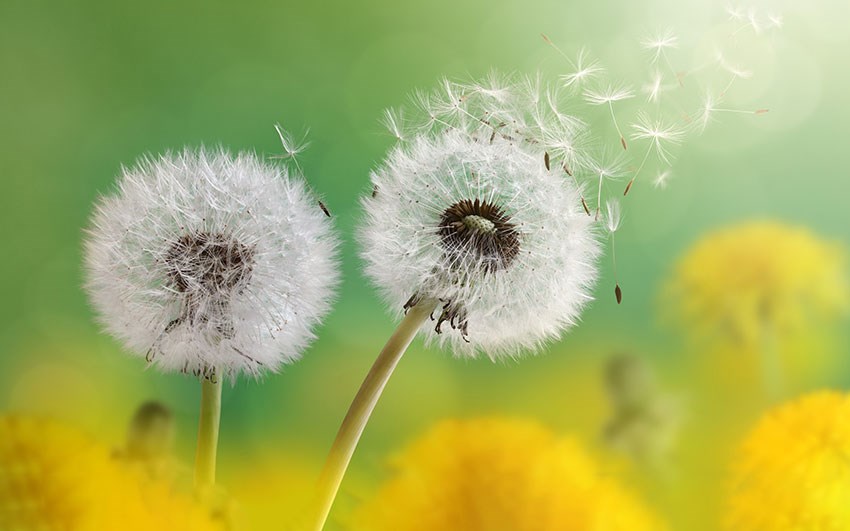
{"points": [[325, 209], [618, 293], [546, 160], [629, 187], [584, 204]]}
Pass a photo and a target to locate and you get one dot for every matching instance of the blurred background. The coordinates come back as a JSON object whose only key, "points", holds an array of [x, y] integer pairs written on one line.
{"points": [[87, 86]]}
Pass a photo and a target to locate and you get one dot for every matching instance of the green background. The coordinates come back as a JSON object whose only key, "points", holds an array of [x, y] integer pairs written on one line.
{"points": [[89, 85]]}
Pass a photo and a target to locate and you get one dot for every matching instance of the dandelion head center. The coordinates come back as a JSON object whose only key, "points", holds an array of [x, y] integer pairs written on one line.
{"points": [[477, 223], [210, 263], [480, 229]]}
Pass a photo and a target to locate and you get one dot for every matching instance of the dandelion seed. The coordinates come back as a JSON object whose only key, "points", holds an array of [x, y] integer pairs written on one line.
{"points": [[659, 45], [775, 21], [394, 122], [709, 109], [659, 133], [735, 72], [613, 218], [662, 179], [661, 42], [583, 70], [654, 87], [661, 136], [607, 96], [609, 167]]}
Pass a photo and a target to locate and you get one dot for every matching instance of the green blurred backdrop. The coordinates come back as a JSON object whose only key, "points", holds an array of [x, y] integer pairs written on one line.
{"points": [[88, 85]]}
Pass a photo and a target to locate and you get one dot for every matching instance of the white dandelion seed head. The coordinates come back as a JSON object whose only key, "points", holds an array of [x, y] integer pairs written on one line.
{"points": [[468, 216], [210, 263]]}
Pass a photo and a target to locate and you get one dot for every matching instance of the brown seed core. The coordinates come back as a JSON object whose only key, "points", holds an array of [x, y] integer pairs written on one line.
{"points": [[482, 229], [208, 263]]}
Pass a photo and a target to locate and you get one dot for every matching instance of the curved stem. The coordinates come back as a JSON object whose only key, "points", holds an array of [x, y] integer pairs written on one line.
{"points": [[361, 409], [205, 457]]}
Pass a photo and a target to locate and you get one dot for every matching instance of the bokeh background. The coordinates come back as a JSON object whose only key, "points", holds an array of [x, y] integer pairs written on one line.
{"points": [[86, 86]]}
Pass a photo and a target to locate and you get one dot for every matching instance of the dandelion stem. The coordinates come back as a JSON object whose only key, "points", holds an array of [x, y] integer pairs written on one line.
{"points": [[205, 457], [361, 408]]}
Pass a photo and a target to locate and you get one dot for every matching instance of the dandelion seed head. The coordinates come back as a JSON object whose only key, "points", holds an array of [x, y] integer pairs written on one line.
{"points": [[211, 263], [470, 218]]}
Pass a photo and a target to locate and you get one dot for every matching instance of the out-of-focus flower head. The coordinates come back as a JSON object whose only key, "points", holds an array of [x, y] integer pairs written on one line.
{"points": [[792, 471], [211, 263], [741, 282], [54, 477], [490, 474]]}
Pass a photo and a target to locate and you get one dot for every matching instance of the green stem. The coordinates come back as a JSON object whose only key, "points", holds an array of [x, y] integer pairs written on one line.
{"points": [[205, 457], [361, 408]]}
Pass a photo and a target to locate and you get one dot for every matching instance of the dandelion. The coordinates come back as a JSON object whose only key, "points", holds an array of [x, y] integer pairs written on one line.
{"points": [[212, 264], [474, 225], [53, 476], [759, 284], [661, 136], [500, 474], [791, 470], [607, 96]]}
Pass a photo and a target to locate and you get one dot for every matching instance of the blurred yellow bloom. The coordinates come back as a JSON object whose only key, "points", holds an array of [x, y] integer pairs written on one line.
{"points": [[499, 474], [793, 470], [54, 478], [760, 277]]}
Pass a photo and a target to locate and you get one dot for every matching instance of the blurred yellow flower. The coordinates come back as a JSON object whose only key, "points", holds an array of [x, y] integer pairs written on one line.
{"points": [[499, 474], [793, 470], [759, 277], [52, 477]]}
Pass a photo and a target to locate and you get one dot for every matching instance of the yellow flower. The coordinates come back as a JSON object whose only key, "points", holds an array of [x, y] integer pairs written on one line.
{"points": [[756, 278], [52, 477], [793, 470], [498, 474]]}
